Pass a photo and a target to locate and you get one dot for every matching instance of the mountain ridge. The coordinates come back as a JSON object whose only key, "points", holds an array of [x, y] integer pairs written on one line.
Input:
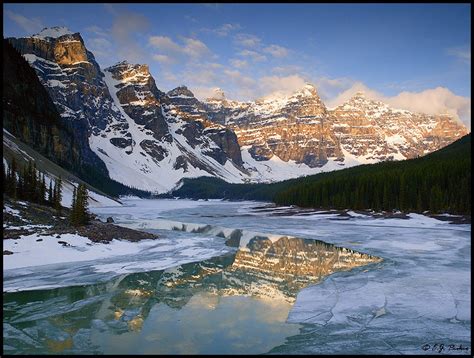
{"points": [[151, 139]]}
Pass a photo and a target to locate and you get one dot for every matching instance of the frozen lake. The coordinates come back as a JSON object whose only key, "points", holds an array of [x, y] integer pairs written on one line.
{"points": [[245, 277]]}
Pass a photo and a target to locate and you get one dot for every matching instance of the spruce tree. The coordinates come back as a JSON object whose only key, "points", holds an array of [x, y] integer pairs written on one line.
{"points": [[73, 214], [79, 211], [58, 195], [42, 191], [50, 193]]}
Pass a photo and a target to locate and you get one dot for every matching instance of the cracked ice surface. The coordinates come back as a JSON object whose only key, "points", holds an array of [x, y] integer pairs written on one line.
{"points": [[420, 294]]}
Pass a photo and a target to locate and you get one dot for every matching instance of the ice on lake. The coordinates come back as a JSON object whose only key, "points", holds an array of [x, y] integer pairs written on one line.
{"points": [[418, 294]]}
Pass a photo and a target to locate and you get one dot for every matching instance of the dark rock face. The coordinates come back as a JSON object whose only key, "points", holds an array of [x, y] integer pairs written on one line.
{"points": [[140, 98], [121, 142], [226, 140], [110, 219], [31, 116], [157, 152]]}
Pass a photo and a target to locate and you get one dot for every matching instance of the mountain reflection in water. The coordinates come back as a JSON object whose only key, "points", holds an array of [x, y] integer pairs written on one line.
{"points": [[253, 287]]}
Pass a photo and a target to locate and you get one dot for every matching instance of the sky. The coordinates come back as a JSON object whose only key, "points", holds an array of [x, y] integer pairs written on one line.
{"points": [[411, 56]]}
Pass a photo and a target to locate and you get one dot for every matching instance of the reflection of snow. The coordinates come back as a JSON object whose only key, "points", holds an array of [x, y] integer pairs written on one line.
{"points": [[419, 294]]}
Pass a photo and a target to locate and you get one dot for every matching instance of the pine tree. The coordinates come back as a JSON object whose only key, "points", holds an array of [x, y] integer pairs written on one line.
{"points": [[73, 215], [79, 211], [58, 195], [50, 193], [42, 191]]}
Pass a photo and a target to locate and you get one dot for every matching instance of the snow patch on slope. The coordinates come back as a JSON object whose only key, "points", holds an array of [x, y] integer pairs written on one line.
{"points": [[53, 32]]}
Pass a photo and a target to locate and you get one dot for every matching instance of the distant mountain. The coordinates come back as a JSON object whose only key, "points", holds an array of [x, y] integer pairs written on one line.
{"points": [[437, 182], [151, 139], [300, 128]]}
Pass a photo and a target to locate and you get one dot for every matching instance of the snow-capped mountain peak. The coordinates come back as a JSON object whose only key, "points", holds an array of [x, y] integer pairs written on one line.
{"points": [[53, 32], [308, 90], [180, 91], [151, 140]]}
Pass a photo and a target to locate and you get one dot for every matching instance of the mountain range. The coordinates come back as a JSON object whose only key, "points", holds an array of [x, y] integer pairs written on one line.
{"points": [[146, 138]]}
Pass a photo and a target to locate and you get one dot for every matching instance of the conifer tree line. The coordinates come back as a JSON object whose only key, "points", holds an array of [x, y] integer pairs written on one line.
{"points": [[79, 212], [29, 184], [440, 182]]}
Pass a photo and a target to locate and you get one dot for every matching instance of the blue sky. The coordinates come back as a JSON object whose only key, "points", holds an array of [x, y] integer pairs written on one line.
{"points": [[251, 50]]}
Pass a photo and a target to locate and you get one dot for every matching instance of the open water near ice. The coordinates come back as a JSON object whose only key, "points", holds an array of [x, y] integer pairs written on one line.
{"points": [[245, 277]]}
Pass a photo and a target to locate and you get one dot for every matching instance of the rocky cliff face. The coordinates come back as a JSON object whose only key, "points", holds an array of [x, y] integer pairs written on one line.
{"points": [[146, 138], [300, 129], [151, 140], [371, 129], [31, 116], [290, 127]]}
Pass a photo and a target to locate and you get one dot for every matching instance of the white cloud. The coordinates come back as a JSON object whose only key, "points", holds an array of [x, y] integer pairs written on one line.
{"points": [[31, 26], [202, 93], [286, 69], [172, 52], [224, 29], [100, 46], [247, 40], [239, 63], [164, 43], [97, 30], [239, 78], [164, 59], [281, 85], [462, 53], [125, 27], [195, 48], [254, 55], [276, 51]]}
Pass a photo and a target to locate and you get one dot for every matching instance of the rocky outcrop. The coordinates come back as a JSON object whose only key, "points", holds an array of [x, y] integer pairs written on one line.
{"points": [[300, 128], [30, 115], [150, 139], [139, 97], [146, 138], [375, 131]]}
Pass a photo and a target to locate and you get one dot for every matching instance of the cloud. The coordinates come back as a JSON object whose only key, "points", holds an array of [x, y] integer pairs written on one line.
{"points": [[163, 59], [286, 69], [276, 51], [223, 30], [97, 30], [254, 55], [280, 85], [239, 63], [238, 78], [461, 53], [331, 87], [247, 40], [190, 18], [195, 48], [125, 27], [439, 100], [172, 52], [202, 93], [31, 26], [164, 43], [99, 46]]}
